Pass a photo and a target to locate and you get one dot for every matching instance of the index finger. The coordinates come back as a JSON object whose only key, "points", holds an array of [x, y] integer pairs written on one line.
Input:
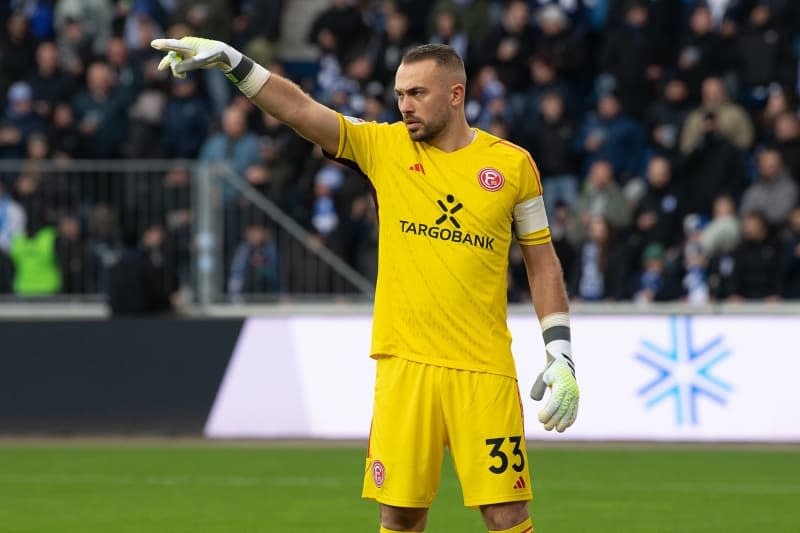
{"points": [[174, 45]]}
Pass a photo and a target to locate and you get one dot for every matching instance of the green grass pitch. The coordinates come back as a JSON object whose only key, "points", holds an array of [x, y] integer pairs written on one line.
{"points": [[178, 487]]}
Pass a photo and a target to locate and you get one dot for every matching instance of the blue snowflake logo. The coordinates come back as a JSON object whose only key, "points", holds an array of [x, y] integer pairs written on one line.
{"points": [[683, 371]]}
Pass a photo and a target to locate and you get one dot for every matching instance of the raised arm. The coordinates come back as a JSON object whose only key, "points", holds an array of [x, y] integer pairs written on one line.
{"points": [[272, 93]]}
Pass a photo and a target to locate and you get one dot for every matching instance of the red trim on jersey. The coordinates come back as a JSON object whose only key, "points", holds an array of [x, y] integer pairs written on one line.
{"points": [[369, 439], [530, 160]]}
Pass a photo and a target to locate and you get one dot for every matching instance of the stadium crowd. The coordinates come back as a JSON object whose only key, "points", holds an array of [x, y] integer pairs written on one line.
{"points": [[666, 133]]}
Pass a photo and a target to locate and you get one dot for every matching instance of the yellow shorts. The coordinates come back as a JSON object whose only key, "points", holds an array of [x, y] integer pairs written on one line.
{"points": [[419, 410]]}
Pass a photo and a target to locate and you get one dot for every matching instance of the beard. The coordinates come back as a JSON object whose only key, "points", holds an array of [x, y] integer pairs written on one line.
{"points": [[427, 131]]}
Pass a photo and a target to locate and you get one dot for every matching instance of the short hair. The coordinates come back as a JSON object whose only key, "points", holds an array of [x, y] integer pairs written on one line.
{"points": [[442, 54]]}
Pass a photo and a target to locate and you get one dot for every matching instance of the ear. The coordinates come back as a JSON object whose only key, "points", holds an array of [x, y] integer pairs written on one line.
{"points": [[457, 94]]}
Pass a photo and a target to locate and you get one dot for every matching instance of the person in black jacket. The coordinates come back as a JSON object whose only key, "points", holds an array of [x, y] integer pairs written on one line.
{"points": [[756, 262], [136, 286], [790, 267], [715, 167]]}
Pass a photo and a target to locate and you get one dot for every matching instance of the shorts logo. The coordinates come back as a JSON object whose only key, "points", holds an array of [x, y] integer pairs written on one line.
{"points": [[491, 179], [378, 473]]}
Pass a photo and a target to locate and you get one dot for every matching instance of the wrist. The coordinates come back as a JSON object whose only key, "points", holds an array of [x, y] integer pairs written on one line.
{"points": [[557, 337], [248, 76]]}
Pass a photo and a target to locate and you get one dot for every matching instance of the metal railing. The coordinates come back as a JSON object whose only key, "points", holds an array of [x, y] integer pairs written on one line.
{"points": [[213, 237]]}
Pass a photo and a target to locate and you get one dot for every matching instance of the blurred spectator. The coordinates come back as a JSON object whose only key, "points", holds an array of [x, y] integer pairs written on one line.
{"points": [[665, 116], [93, 16], [48, 82], [790, 267], [71, 251], [324, 215], [259, 20], [701, 54], [787, 141], [732, 120], [778, 101], [764, 55], [610, 135], [141, 26], [209, 18], [33, 252], [186, 119], [473, 16], [102, 243], [17, 50], [486, 94], [177, 210], [12, 219], [508, 46], [255, 268], [19, 121], [39, 14], [544, 80], [74, 47], [657, 283], [62, 134], [602, 197], [135, 284], [774, 193], [339, 30], [234, 145], [695, 278], [721, 234], [557, 38], [660, 210], [630, 56], [447, 30], [393, 44], [600, 272], [714, 167], [100, 113], [127, 72], [756, 262], [551, 146]]}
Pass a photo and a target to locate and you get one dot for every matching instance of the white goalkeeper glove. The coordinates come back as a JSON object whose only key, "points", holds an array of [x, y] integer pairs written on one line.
{"points": [[192, 53], [558, 374]]}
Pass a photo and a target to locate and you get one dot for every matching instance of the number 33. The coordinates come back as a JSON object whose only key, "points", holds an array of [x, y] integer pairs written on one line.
{"points": [[501, 455]]}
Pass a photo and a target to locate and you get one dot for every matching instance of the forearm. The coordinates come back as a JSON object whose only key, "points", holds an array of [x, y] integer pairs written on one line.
{"points": [[548, 292], [286, 101]]}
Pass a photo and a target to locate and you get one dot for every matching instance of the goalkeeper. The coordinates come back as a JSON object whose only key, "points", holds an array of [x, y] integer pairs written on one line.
{"points": [[451, 200]]}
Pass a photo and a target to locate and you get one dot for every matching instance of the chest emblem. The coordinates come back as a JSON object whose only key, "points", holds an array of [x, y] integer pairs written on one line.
{"points": [[491, 179]]}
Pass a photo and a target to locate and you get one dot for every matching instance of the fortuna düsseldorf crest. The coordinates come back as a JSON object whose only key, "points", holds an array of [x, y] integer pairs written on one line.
{"points": [[491, 179]]}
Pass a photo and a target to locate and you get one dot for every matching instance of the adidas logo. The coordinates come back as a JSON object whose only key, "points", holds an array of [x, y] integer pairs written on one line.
{"points": [[417, 167], [520, 484]]}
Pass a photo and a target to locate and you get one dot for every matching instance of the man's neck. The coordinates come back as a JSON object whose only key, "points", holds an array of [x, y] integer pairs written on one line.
{"points": [[455, 138]]}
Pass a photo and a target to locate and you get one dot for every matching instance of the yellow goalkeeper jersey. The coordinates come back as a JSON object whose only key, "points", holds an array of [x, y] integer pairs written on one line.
{"points": [[445, 230]]}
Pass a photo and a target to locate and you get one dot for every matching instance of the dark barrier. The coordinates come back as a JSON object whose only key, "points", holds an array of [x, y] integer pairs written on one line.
{"points": [[119, 376]]}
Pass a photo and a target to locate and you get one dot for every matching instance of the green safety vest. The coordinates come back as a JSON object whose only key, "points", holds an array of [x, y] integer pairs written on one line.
{"points": [[35, 263]]}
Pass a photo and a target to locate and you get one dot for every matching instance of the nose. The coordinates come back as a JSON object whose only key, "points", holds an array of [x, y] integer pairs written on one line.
{"points": [[404, 105]]}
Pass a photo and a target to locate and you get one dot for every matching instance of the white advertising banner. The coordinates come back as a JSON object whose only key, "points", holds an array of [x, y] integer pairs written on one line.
{"points": [[676, 378]]}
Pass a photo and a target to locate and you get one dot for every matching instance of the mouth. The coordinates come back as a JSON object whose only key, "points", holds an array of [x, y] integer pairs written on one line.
{"points": [[412, 124]]}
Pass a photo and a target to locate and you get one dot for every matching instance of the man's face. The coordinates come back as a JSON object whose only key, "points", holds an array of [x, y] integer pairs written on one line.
{"points": [[425, 98]]}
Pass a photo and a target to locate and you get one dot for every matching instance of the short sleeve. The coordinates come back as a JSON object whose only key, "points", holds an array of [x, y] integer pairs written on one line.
{"points": [[530, 218], [357, 142]]}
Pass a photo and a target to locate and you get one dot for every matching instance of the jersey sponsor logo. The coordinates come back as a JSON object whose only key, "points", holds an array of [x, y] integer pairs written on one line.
{"points": [[491, 179], [520, 484], [449, 206], [378, 473], [449, 211]]}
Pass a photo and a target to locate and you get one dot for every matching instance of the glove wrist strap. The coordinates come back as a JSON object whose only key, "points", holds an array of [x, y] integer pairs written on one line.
{"points": [[248, 76], [557, 337]]}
